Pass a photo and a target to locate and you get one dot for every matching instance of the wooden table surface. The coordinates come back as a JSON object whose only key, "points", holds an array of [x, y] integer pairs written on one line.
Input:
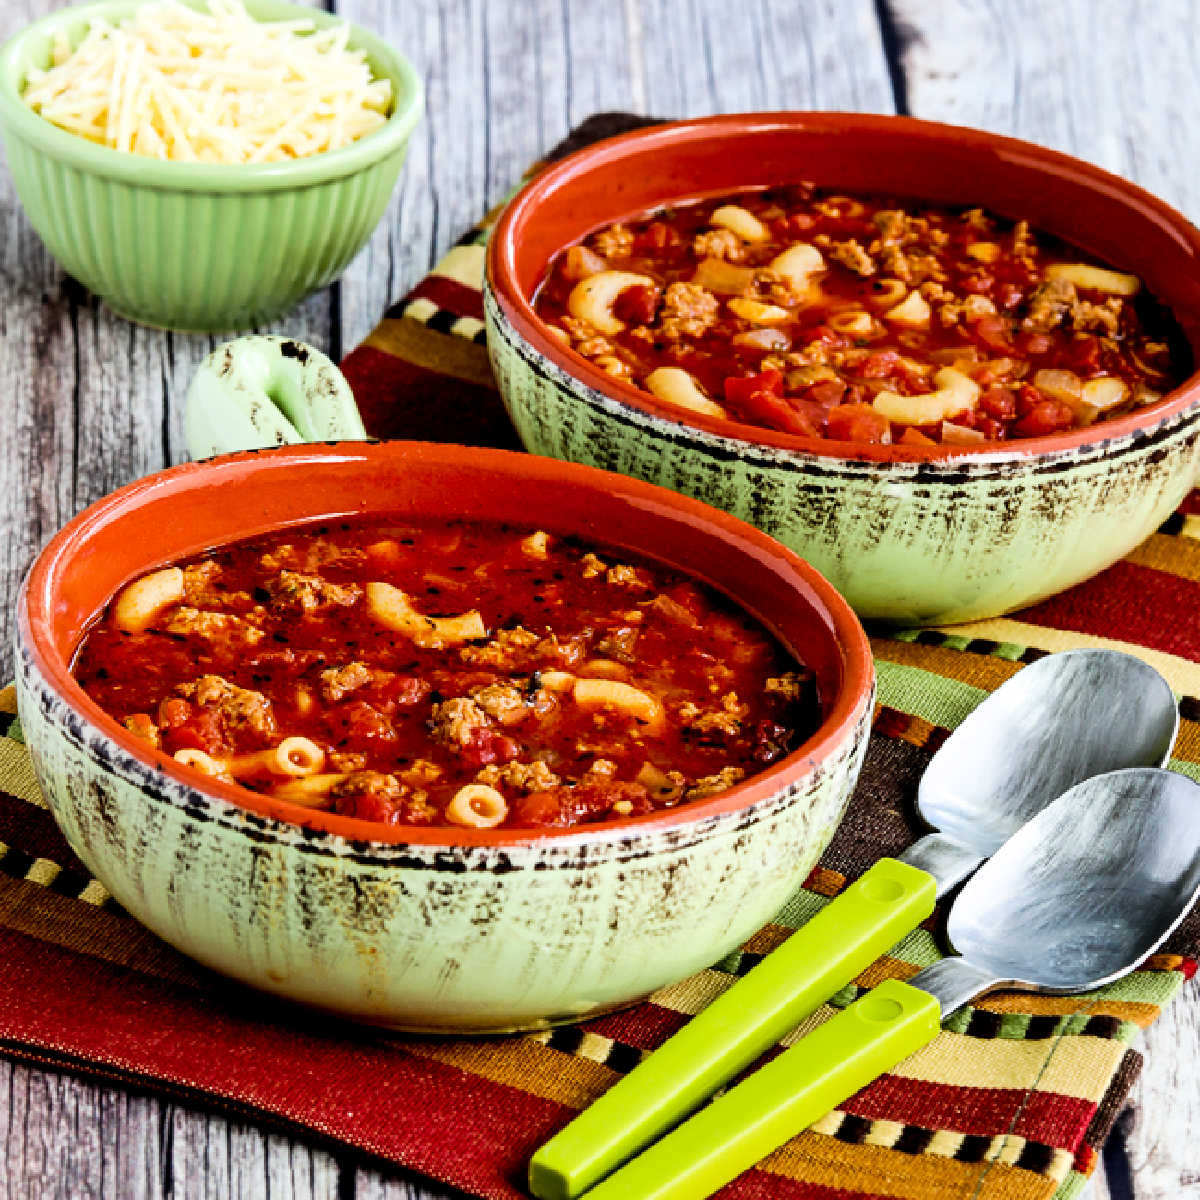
{"points": [[92, 402]]}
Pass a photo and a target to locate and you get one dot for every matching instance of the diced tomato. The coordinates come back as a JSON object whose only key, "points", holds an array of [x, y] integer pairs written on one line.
{"points": [[487, 746], [402, 690], [1035, 343], [1008, 295], [656, 237], [359, 724], [739, 388], [991, 429], [858, 423], [200, 731], [879, 365], [787, 229], [759, 397], [914, 437], [537, 810], [1046, 416], [825, 335], [563, 806], [1083, 354], [978, 282], [999, 402], [637, 305], [826, 393], [370, 808], [993, 332], [173, 711], [770, 741]]}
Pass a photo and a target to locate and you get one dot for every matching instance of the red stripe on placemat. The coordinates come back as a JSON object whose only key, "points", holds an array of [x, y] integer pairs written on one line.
{"points": [[355, 1086], [399, 399], [450, 295], [647, 1026], [1131, 603], [1048, 1117], [32, 830]]}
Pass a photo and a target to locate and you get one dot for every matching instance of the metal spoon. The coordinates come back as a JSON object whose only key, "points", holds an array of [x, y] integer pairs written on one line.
{"points": [[1079, 897], [1062, 719]]}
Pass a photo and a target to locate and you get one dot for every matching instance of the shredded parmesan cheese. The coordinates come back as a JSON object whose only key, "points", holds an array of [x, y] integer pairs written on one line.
{"points": [[212, 87]]}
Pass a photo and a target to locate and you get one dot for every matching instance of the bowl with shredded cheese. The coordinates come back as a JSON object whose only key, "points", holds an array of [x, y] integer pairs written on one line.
{"points": [[203, 165]]}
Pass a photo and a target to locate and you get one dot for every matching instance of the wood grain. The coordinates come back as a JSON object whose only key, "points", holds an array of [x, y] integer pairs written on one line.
{"points": [[92, 402]]}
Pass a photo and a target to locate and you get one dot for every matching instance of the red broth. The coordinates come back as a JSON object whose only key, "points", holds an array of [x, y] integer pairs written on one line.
{"points": [[379, 669], [884, 320]]}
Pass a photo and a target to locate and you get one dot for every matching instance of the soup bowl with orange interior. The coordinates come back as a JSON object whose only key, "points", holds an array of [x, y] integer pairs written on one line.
{"points": [[410, 854], [956, 377]]}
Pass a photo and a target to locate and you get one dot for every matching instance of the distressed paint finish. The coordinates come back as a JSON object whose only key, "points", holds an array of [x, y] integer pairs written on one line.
{"points": [[910, 542], [426, 937]]}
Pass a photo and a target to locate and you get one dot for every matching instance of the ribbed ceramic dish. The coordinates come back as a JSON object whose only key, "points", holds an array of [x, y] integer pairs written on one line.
{"points": [[190, 246], [431, 928], [908, 534]]}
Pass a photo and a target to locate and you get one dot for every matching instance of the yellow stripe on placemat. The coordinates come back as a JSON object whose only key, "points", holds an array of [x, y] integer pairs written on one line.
{"points": [[521, 1063], [1182, 674], [463, 264], [690, 995], [1078, 1066], [826, 1162], [1141, 1013], [1176, 556], [16, 773], [448, 355]]}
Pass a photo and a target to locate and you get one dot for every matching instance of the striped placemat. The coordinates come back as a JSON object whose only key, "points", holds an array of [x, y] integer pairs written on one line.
{"points": [[1012, 1101]]}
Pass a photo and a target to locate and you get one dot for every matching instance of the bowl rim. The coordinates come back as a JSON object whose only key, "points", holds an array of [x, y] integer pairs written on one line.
{"points": [[518, 311], [848, 708], [19, 119]]}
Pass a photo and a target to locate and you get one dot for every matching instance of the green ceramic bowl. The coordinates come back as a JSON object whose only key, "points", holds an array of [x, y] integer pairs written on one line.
{"points": [[190, 246], [907, 534], [431, 928]]}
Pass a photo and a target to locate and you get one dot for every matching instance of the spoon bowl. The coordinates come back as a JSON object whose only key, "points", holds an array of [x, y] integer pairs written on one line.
{"points": [[1088, 889], [1060, 720]]}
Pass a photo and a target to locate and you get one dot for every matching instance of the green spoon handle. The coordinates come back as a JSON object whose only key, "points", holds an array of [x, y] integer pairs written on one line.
{"points": [[821, 957], [780, 1099]]}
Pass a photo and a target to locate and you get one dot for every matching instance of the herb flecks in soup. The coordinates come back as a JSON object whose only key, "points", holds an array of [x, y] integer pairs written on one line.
{"points": [[458, 674], [859, 319]]}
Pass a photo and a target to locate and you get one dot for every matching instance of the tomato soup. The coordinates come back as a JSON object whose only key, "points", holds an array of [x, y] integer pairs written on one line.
{"points": [[447, 674], [862, 319]]}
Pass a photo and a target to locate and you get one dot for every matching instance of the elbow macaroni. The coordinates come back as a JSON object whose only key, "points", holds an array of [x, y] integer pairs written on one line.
{"points": [[592, 299], [798, 265], [647, 710], [956, 393], [676, 386], [142, 600], [391, 608], [741, 222], [1096, 279]]}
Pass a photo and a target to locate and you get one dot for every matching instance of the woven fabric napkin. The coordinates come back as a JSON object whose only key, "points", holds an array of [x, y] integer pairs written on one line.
{"points": [[1012, 1101]]}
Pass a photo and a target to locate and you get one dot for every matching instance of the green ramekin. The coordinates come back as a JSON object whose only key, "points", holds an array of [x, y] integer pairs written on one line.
{"points": [[189, 246]]}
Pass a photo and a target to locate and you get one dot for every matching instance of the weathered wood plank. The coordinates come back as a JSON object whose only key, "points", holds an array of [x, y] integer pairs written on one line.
{"points": [[698, 57]]}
